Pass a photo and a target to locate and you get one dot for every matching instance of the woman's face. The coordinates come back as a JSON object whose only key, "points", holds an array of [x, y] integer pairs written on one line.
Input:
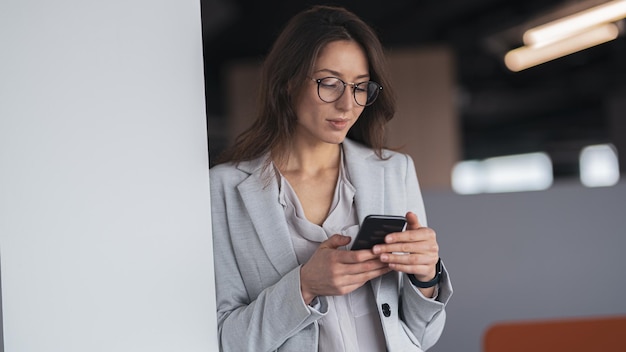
{"points": [[321, 122]]}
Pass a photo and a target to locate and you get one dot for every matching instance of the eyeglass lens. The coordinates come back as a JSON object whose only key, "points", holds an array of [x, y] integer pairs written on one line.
{"points": [[330, 89]]}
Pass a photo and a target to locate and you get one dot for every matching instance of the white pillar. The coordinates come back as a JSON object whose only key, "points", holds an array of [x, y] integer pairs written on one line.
{"points": [[105, 236]]}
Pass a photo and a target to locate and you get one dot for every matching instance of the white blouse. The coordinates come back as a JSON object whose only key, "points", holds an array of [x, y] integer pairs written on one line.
{"points": [[352, 322]]}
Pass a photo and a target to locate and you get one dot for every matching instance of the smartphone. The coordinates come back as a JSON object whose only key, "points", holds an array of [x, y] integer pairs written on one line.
{"points": [[374, 229]]}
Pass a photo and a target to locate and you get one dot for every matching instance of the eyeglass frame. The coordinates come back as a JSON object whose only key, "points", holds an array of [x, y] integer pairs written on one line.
{"points": [[345, 84]]}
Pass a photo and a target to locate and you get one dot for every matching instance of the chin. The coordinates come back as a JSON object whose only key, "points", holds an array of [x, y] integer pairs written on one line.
{"points": [[335, 139]]}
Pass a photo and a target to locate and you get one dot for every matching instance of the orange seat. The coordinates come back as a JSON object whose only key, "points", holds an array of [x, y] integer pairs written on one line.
{"points": [[606, 334]]}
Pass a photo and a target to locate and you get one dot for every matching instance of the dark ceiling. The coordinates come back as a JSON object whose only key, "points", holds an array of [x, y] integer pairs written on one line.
{"points": [[557, 107]]}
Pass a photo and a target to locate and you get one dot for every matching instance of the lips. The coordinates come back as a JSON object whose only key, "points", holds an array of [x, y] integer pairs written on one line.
{"points": [[339, 123]]}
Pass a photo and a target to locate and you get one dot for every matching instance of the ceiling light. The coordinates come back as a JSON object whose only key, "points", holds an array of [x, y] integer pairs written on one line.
{"points": [[556, 30], [528, 56]]}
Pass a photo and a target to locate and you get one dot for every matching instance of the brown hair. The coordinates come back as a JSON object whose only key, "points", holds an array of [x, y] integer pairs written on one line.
{"points": [[285, 70]]}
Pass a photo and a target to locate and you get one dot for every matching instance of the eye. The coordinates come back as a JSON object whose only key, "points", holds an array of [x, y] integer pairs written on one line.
{"points": [[361, 87], [331, 83]]}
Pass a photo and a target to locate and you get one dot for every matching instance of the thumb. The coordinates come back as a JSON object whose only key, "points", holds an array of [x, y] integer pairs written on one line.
{"points": [[413, 223], [336, 241]]}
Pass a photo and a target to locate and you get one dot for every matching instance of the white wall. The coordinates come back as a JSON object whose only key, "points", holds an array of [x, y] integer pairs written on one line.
{"points": [[553, 254], [104, 207]]}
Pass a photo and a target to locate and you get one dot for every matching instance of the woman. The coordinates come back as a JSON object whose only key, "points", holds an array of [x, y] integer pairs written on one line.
{"points": [[288, 198]]}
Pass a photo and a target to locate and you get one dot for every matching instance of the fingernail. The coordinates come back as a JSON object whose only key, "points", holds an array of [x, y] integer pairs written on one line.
{"points": [[376, 249]]}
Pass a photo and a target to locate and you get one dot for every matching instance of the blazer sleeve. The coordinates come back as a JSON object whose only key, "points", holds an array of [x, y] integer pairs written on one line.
{"points": [[250, 317], [423, 317]]}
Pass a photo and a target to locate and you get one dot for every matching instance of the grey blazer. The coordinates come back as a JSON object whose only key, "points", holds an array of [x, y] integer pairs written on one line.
{"points": [[259, 303]]}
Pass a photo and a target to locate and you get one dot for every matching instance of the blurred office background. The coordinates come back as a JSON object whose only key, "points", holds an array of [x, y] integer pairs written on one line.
{"points": [[520, 167]]}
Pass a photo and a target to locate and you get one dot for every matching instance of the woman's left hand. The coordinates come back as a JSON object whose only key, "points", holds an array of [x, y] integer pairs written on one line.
{"points": [[414, 251]]}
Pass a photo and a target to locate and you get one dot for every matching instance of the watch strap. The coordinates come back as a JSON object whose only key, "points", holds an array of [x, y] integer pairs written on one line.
{"points": [[427, 284]]}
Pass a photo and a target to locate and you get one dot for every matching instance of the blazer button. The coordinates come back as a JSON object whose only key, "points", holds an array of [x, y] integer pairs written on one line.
{"points": [[386, 310]]}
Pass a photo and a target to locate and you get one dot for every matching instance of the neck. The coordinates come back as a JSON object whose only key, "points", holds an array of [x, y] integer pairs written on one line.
{"points": [[311, 159]]}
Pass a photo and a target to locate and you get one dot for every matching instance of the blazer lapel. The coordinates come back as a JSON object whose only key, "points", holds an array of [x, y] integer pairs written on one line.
{"points": [[367, 178], [268, 219]]}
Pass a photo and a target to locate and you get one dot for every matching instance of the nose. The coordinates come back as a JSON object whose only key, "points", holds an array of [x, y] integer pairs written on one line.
{"points": [[346, 101]]}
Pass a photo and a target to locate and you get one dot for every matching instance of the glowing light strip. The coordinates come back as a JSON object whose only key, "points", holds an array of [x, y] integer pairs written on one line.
{"points": [[528, 56], [556, 30], [511, 173]]}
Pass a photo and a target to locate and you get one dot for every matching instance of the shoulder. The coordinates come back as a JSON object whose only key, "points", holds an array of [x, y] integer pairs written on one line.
{"points": [[228, 176], [239, 169], [390, 158], [223, 171], [224, 178]]}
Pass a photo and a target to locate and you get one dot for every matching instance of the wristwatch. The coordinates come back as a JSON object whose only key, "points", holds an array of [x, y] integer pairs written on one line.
{"points": [[427, 284]]}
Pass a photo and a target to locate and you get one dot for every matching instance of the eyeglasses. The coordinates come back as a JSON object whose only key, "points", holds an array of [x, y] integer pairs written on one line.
{"points": [[330, 89]]}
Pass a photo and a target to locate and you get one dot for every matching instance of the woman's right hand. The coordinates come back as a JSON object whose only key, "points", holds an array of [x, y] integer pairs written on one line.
{"points": [[333, 272]]}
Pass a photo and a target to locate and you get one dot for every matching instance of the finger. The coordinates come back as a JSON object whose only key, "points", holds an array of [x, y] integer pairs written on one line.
{"points": [[416, 235], [409, 259], [357, 256], [359, 280], [412, 220], [421, 247], [335, 241], [425, 271], [363, 277], [356, 269]]}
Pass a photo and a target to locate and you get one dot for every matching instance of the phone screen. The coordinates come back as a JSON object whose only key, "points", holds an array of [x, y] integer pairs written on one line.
{"points": [[374, 229]]}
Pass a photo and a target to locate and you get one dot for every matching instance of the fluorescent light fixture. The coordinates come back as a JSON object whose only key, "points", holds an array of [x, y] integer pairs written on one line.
{"points": [[571, 25], [513, 173], [599, 166], [528, 56]]}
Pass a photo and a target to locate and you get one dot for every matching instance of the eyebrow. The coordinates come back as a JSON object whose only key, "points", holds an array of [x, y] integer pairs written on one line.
{"points": [[339, 74]]}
